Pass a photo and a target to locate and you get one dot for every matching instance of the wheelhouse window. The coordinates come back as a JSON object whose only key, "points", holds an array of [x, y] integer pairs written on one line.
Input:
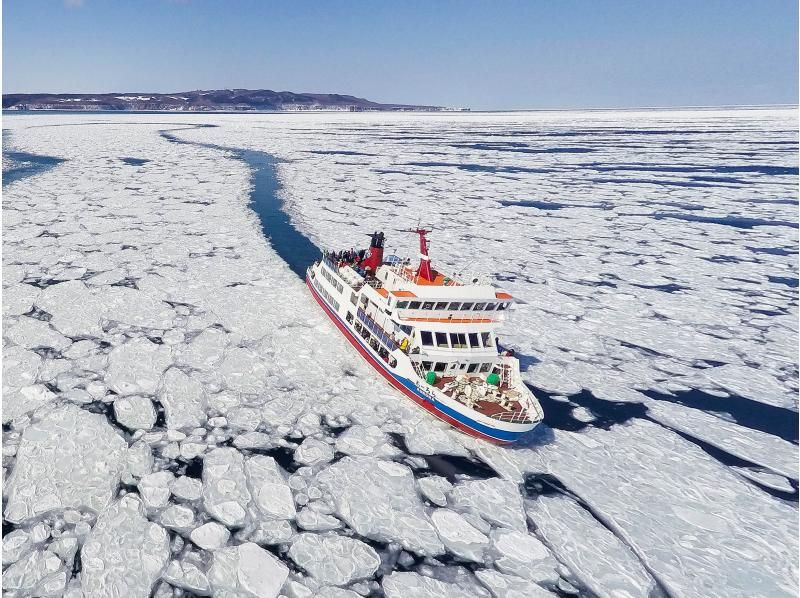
{"points": [[485, 367], [441, 339], [473, 367], [439, 367], [402, 304], [455, 306], [427, 305], [427, 365], [466, 306], [491, 306], [426, 337], [501, 306], [413, 305], [458, 340], [480, 306], [441, 306], [353, 299], [486, 339], [474, 343]]}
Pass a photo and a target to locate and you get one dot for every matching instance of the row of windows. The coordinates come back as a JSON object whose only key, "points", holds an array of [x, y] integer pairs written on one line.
{"points": [[325, 294], [451, 306], [470, 368], [329, 277], [456, 340]]}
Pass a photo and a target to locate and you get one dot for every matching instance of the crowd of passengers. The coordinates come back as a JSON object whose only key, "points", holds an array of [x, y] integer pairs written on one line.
{"points": [[345, 257]]}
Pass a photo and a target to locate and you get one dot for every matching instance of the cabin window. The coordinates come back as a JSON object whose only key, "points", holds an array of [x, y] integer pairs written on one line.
{"points": [[480, 306], [442, 305], [485, 367], [458, 340], [455, 306], [474, 343], [427, 305], [466, 306], [441, 339], [473, 367], [427, 338], [427, 365], [413, 305], [486, 339], [402, 304], [439, 367]]}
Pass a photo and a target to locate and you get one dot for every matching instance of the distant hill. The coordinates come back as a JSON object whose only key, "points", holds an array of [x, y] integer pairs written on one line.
{"points": [[199, 101]]}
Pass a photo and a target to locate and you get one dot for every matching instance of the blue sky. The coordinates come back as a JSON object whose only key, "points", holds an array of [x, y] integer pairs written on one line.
{"points": [[477, 53]]}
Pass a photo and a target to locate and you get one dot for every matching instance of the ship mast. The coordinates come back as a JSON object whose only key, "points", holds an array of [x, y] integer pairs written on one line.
{"points": [[424, 269]]}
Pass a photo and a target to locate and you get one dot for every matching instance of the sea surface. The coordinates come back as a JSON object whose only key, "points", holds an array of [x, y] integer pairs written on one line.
{"points": [[656, 257]]}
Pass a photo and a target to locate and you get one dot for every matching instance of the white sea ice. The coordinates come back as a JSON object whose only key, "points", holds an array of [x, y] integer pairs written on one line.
{"points": [[413, 585], [187, 488], [68, 458], [435, 489], [135, 413], [510, 586], [246, 571], [123, 535], [459, 536], [225, 493], [601, 562], [177, 517], [495, 500], [136, 366], [521, 554], [268, 488], [154, 488], [313, 452], [187, 575], [366, 440], [334, 560], [378, 499], [183, 399], [312, 520], [38, 573], [210, 536], [627, 290]]}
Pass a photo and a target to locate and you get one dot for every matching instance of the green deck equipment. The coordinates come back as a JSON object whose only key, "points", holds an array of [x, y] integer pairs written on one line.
{"points": [[430, 378], [493, 379]]}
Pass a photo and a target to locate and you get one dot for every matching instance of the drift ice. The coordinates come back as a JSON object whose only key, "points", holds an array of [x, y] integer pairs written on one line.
{"points": [[432, 336]]}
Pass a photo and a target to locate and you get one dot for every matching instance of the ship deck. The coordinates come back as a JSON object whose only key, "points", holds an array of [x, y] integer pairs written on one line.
{"points": [[507, 409]]}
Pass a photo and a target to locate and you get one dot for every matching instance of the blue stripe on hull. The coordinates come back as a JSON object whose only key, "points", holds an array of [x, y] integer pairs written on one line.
{"points": [[501, 435]]}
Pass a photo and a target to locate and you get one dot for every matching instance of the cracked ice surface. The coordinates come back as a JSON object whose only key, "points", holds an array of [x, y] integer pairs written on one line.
{"points": [[125, 553], [69, 458], [656, 251]]}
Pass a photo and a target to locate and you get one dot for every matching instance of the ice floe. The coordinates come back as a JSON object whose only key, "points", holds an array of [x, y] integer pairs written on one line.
{"points": [[68, 458], [248, 571], [334, 560], [123, 535]]}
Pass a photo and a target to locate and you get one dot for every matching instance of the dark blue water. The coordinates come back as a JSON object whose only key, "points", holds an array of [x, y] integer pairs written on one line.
{"points": [[734, 221], [134, 161], [25, 165], [289, 243]]}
